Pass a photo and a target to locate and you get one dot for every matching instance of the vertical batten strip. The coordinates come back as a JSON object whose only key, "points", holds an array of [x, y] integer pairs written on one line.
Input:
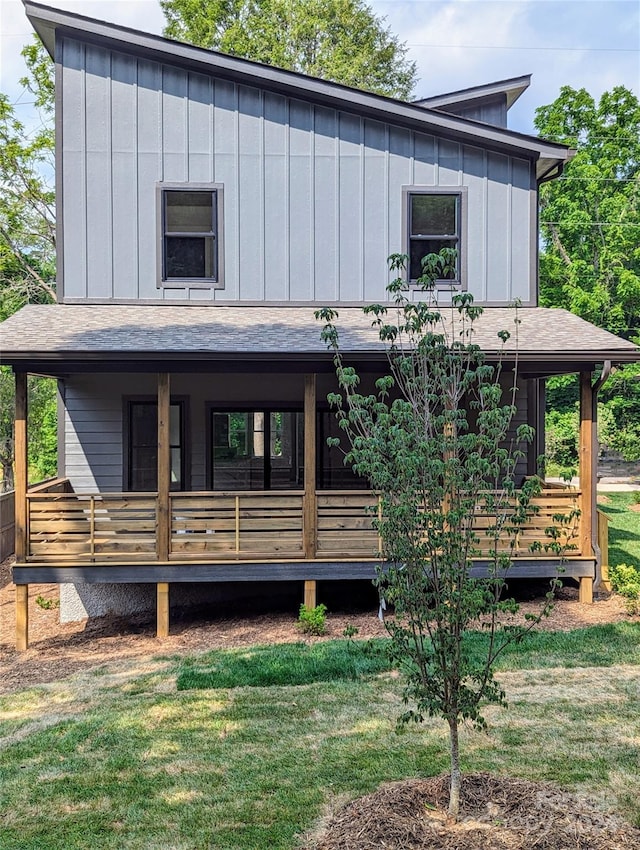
{"points": [[336, 200], [287, 198], [313, 166], [163, 524], [362, 223]]}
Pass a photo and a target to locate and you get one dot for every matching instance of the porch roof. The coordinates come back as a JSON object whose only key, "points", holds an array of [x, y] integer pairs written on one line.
{"points": [[102, 337]]}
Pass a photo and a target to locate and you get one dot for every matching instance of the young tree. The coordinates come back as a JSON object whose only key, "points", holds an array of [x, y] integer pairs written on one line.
{"points": [[436, 442], [339, 40]]}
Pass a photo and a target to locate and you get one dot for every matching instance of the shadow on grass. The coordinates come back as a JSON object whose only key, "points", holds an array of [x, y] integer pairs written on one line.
{"points": [[286, 664], [333, 661]]}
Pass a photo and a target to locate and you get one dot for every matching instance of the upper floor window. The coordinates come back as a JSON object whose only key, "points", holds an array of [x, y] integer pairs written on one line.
{"points": [[191, 217], [435, 220]]}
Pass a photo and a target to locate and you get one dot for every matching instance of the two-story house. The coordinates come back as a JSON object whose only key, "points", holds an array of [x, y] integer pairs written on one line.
{"points": [[206, 205]]}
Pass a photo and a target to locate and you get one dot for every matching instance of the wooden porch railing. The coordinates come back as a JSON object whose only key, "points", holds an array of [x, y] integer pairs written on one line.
{"points": [[237, 524], [243, 525]]}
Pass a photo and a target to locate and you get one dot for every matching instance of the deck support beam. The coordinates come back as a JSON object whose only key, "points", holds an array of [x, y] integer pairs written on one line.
{"points": [[585, 591], [587, 478], [22, 617], [310, 598], [162, 627], [164, 466]]}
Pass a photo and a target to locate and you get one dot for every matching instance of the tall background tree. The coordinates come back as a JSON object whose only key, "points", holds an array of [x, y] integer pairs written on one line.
{"points": [[590, 262], [338, 40], [27, 253]]}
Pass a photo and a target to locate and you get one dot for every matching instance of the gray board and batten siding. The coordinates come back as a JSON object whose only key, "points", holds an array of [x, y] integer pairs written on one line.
{"points": [[94, 430], [313, 196]]}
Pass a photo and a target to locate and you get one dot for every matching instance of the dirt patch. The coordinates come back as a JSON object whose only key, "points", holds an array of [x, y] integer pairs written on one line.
{"points": [[58, 650], [496, 812]]}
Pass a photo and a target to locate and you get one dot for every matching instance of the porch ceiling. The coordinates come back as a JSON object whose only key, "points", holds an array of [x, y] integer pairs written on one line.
{"points": [[59, 338]]}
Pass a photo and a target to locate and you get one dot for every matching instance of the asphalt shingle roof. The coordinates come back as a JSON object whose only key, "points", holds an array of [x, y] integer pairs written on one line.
{"points": [[220, 331]]}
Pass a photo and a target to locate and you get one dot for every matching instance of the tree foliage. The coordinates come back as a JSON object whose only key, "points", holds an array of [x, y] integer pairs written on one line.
{"points": [[435, 440], [338, 40], [27, 253], [41, 427], [590, 225], [27, 196], [590, 217]]}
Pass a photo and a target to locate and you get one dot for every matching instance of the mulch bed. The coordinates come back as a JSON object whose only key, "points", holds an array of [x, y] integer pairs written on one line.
{"points": [[497, 813]]}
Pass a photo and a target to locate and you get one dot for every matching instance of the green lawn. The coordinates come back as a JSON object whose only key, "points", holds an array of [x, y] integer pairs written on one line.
{"points": [[624, 528], [123, 759]]}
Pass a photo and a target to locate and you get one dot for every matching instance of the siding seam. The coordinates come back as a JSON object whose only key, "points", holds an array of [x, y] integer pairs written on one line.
{"points": [[485, 235], [510, 220], [136, 169]]}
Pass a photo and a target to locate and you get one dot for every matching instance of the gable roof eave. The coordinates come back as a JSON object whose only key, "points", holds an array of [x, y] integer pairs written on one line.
{"points": [[48, 21], [511, 88]]}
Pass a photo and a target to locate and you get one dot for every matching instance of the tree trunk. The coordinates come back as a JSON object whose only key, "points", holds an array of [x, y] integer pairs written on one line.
{"points": [[454, 788], [7, 476]]}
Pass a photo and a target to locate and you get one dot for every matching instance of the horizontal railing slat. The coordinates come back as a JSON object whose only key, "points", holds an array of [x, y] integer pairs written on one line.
{"points": [[248, 525]]}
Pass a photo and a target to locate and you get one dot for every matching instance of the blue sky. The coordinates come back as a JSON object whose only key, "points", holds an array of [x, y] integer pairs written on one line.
{"points": [[593, 44]]}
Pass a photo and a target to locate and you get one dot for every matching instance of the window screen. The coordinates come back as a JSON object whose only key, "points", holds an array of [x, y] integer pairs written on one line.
{"points": [[434, 223], [190, 235]]}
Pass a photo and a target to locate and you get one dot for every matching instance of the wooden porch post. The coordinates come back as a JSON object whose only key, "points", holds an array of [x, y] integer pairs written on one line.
{"points": [[587, 482], [310, 513], [20, 483], [21, 466], [164, 483], [164, 467]]}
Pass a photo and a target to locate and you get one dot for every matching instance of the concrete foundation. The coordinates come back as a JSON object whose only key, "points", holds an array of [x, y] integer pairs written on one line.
{"points": [[82, 601]]}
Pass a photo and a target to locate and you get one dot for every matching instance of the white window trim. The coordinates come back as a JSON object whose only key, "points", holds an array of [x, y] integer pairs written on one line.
{"points": [[188, 282]]}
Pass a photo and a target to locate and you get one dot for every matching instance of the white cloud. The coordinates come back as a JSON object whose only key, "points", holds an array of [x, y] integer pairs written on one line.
{"points": [[559, 42], [16, 30]]}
